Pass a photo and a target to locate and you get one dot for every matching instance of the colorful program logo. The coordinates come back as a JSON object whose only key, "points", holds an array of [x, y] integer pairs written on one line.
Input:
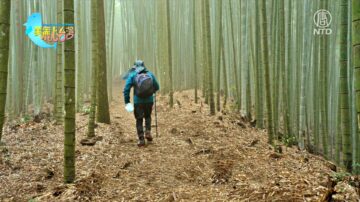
{"points": [[47, 35]]}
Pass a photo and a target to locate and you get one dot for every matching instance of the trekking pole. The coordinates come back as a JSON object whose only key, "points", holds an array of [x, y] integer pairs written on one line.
{"points": [[156, 118]]}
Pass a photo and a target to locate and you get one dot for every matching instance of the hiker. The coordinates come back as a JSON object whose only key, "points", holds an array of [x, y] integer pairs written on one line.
{"points": [[145, 85]]}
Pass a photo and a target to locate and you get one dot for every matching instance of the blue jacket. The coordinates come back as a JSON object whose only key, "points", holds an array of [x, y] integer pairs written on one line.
{"points": [[130, 83]]}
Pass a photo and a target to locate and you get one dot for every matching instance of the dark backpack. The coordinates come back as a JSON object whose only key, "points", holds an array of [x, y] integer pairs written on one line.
{"points": [[144, 86]]}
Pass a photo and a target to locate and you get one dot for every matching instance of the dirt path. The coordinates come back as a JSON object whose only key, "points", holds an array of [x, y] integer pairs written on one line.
{"points": [[195, 158]]}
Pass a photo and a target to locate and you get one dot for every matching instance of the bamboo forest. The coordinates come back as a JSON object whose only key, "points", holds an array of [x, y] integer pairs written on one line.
{"points": [[180, 100]]}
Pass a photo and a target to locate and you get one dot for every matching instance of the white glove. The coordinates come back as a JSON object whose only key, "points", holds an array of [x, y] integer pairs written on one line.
{"points": [[129, 107]]}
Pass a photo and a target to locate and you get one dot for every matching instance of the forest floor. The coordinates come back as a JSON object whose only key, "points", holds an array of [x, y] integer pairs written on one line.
{"points": [[196, 157]]}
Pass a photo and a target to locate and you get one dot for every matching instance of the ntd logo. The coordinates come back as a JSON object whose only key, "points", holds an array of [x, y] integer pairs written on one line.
{"points": [[322, 20]]}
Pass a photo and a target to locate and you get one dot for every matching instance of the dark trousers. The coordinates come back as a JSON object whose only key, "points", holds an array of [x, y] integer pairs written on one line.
{"points": [[143, 111]]}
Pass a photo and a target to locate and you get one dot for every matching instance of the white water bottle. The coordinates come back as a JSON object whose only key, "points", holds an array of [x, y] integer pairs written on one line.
{"points": [[129, 107]]}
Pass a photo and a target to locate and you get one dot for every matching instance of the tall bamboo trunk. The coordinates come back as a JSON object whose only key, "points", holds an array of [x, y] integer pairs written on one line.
{"points": [[265, 56], [236, 75], [171, 93], [81, 68], [356, 55], [218, 55], [70, 118], [344, 87], [103, 113], [5, 7], [59, 105], [283, 65], [259, 72], [209, 58], [226, 90], [274, 58], [195, 76], [287, 81], [303, 81], [323, 85], [94, 68], [205, 69]]}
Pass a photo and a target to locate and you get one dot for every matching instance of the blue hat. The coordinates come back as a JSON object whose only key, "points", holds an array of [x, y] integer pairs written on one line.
{"points": [[139, 63]]}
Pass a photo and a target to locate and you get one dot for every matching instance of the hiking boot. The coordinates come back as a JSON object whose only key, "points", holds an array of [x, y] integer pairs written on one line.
{"points": [[148, 136], [141, 142]]}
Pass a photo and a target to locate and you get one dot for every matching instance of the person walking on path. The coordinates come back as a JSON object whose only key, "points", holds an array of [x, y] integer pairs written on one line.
{"points": [[145, 85]]}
